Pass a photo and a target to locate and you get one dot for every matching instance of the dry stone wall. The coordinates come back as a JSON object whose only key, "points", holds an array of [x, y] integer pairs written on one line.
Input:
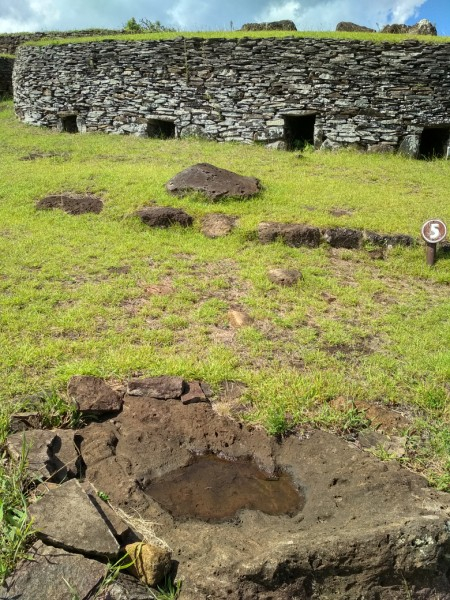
{"points": [[324, 91], [6, 69], [9, 42]]}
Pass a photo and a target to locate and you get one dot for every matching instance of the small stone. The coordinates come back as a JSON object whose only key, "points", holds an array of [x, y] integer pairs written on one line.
{"points": [[164, 387], [164, 216], [73, 204], [217, 225], [286, 277], [93, 396], [239, 319], [279, 145], [66, 518], [151, 564], [214, 182], [53, 574], [194, 393]]}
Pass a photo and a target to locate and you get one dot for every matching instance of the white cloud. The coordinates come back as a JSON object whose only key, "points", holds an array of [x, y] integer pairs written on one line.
{"points": [[33, 15]]}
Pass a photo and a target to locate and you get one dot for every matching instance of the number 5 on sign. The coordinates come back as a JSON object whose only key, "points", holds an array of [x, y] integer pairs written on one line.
{"points": [[433, 231]]}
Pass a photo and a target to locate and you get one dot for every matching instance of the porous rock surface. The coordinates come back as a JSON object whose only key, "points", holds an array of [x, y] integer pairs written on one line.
{"points": [[367, 529], [283, 25], [164, 216], [294, 234], [348, 26], [52, 573], [422, 27], [92, 395], [74, 204], [215, 183]]}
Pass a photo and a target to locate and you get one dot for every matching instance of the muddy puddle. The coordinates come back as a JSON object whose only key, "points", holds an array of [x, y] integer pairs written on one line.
{"points": [[214, 489]]}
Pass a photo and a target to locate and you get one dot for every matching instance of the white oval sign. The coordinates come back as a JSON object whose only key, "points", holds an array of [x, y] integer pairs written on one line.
{"points": [[434, 231]]}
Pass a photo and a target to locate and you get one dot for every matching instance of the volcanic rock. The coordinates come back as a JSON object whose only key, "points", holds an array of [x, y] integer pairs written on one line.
{"points": [[213, 182], [193, 393], [164, 216], [163, 387], [389, 240], [423, 27], [284, 25], [93, 396], [66, 518], [348, 26], [286, 277], [53, 574], [74, 204], [341, 237], [217, 225], [367, 528], [294, 234]]}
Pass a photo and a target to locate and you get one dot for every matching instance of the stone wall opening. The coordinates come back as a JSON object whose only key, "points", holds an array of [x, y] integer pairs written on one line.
{"points": [[69, 124], [158, 128], [299, 130], [434, 142]]}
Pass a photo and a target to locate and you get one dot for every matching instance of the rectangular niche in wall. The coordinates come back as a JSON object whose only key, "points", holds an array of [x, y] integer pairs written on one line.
{"points": [[434, 142], [69, 123], [158, 128], [299, 130]]}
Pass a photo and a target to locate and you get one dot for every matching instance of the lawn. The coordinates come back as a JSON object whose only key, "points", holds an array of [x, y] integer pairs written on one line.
{"points": [[105, 295]]}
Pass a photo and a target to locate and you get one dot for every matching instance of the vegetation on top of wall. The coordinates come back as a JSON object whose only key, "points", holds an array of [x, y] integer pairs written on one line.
{"points": [[7, 56], [167, 35]]}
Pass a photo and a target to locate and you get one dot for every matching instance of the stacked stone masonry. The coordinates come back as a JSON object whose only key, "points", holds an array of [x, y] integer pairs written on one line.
{"points": [[379, 97]]}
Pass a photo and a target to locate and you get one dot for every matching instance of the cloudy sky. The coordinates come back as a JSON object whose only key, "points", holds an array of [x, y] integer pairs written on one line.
{"points": [[44, 15]]}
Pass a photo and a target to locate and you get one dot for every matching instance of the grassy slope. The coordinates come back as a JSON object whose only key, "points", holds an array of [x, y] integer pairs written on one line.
{"points": [[65, 310], [369, 37]]}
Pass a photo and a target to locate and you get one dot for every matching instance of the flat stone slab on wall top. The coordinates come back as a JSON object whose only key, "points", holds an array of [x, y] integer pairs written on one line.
{"points": [[74, 204], [348, 26], [376, 517], [50, 573], [215, 183], [92, 395]]}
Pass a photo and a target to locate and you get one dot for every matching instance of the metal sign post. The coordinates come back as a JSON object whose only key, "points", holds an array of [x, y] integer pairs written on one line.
{"points": [[433, 231]]}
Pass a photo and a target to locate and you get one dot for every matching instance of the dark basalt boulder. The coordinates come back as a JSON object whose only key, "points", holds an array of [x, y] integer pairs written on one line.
{"points": [[164, 216], [284, 25], [213, 182], [348, 26]]}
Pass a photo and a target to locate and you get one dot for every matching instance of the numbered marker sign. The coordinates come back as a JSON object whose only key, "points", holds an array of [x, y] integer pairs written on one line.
{"points": [[434, 231]]}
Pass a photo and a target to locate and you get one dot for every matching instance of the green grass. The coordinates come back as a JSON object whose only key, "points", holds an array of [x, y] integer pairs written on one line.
{"points": [[362, 36], [364, 330]]}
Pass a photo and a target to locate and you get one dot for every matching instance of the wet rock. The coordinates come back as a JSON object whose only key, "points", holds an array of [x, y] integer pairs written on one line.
{"points": [[217, 225], [294, 234], [193, 393], [283, 25], [66, 518], [53, 574], [93, 396], [286, 277], [213, 182], [74, 204], [341, 237], [151, 564], [238, 319], [381, 239], [164, 216], [359, 511], [163, 387], [348, 26]]}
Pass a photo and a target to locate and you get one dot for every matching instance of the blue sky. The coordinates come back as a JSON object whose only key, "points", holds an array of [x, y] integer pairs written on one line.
{"points": [[42, 15]]}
